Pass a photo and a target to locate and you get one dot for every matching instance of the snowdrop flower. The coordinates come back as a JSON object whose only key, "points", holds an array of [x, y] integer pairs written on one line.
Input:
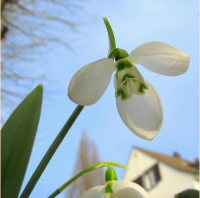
{"points": [[137, 101], [116, 189]]}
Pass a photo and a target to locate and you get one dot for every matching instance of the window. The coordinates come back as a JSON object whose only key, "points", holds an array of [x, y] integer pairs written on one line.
{"points": [[150, 178]]}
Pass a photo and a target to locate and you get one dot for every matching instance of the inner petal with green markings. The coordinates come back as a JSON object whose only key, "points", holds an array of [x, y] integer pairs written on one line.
{"points": [[128, 80]]}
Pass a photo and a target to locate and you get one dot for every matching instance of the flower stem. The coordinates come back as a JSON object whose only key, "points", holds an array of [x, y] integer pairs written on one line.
{"points": [[47, 157], [85, 171]]}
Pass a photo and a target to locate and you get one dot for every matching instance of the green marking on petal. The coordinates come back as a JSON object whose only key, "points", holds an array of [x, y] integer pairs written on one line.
{"points": [[127, 76], [120, 92], [128, 80], [123, 64], [142, 87], [109, 187]]}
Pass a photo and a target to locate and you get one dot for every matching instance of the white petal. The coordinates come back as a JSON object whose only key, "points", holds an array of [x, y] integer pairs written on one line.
{"points": [[142, 114], [112, 195], [96, 192], [161, 58], [127, 189], [90, 82]]}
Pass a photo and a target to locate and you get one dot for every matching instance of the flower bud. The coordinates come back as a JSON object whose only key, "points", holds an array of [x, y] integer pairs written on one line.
{"points": [[110, 174]]}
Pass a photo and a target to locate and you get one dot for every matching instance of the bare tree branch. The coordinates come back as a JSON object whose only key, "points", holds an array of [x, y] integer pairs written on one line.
{"points": [[30, 29], [45, 16]]}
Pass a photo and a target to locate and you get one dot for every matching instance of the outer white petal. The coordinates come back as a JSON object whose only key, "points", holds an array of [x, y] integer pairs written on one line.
{"points": [[127, 189], [142, 114], [90, 82], [161, 58], [112, 195], [96, 192]]}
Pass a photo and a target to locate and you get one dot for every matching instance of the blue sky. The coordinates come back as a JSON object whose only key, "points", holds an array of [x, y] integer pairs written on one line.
{"points": [[134, 22]]}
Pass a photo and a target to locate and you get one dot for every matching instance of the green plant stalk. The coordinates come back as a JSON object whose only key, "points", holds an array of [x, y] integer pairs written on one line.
{"points": [[47, 157], [85, 171]]}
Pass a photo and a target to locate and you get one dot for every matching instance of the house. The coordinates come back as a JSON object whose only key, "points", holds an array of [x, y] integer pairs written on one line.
{"points": [[161, 175]]}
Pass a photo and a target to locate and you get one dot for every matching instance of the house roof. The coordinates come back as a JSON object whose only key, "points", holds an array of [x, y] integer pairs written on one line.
{"points": [[174, 161]]}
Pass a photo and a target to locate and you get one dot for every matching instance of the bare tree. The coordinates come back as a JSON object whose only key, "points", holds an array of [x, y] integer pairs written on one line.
{"points": [[87, 156], [29, 30]]}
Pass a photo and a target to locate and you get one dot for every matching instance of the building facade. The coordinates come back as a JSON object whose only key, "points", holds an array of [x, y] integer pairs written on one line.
{"points": [[161, 175]]}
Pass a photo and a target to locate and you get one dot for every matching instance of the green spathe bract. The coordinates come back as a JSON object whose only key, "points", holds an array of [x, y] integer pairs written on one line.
{"points": [[18, 134], [112, 44]]}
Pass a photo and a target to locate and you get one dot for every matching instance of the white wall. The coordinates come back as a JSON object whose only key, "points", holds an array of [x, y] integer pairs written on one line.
{"points": [[172, 180], [138, 163], [196, 184]]}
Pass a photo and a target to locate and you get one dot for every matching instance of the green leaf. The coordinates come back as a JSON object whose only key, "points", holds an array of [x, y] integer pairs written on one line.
{"points": [[18, 134], [189, 193], [111, 37]]}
